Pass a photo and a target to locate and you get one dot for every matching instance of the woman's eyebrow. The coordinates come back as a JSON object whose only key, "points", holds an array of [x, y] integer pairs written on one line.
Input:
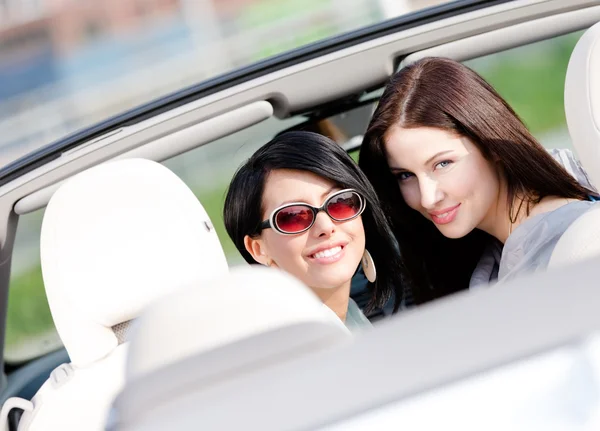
{"points": [[429, 160], [292, 201], [323, 196], [330, 191]]}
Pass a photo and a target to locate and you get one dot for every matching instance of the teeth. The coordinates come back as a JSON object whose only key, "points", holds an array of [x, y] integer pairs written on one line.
{"points": [[442, 215], [328, 253]]}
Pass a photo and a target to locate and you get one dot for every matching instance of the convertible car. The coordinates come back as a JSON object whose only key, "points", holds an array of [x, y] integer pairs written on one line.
{"points": [[129, 346]]}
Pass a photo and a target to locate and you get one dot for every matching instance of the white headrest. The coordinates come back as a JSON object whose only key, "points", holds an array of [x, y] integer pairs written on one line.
{"points": [[246, 302], [582, 101], [114, 238]]}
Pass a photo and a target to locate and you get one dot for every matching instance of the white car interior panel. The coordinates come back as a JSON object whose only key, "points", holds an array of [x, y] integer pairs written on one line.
{"points": [[554, 390], [114, 239], [440, 343], [510, 37], [582, 101], [250, 319], [248, 301], [168, 146], [210, 130]]}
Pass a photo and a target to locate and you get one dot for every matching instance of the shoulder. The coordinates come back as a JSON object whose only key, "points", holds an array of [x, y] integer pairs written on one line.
{"points": [[549, 204], [580, 241], [558, 212], [554, 236]]}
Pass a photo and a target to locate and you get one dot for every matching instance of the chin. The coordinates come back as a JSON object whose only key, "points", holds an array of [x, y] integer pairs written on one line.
{"points": [[453, 232], [334, 275], [336, 279], [332, 283]]}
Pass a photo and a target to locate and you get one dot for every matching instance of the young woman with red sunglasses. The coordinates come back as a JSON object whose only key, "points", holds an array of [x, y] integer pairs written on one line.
{"points": [[301, 204]]}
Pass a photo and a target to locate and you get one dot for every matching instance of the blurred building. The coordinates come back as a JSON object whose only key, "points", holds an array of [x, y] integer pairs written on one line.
{"points": [[37, 35]]}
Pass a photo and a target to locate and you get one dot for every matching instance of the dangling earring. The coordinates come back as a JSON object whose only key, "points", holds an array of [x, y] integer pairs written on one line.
{"points": [[368, 266]]}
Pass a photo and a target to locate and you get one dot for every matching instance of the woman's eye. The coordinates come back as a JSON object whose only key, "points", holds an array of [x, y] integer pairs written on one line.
{"points": [[444, 164], [402, 176]]}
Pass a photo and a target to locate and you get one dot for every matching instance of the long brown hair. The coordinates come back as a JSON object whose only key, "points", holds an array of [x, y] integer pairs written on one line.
{"points": [[447, 95]]}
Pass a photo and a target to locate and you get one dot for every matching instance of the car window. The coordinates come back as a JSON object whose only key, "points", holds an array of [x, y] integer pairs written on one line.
{"points": [[532, 80], [29, 327], [207, 170]]}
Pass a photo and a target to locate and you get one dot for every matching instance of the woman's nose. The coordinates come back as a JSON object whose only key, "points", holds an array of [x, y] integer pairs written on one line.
{"points": [[324, 225], [431, 193]]}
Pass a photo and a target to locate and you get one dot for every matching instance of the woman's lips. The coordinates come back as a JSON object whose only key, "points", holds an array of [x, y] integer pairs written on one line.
{"points": [[327, 256], [444, 216]]}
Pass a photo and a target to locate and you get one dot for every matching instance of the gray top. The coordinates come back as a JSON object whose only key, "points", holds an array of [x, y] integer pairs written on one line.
{"points": [[531, 244], [356, 321], [529, 247]]}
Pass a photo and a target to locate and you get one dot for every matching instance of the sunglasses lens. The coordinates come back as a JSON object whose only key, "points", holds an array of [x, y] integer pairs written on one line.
{"points": [[344, 206], [294, 219]]}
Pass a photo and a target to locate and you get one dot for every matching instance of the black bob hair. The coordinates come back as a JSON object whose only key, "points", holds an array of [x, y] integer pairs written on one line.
{"points": [[315, 153]]}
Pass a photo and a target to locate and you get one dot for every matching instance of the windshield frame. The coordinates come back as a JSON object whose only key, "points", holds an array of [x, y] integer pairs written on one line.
{"points": [[222, 82]]}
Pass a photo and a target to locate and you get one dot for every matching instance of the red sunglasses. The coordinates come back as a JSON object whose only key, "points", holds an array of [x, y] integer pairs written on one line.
{"points": [[298, 217]]}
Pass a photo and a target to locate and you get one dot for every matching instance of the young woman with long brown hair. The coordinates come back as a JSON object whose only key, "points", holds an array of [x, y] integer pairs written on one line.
{"points": [[473, 197]]}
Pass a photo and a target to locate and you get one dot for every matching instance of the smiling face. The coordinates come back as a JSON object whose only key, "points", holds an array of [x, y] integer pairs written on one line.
{"points": [[325, 256], [446, 178]]}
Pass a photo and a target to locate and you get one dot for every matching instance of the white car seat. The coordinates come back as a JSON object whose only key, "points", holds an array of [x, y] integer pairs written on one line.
{"points": [[582, 108], [582, 101], [114, 239], [197, 341]]}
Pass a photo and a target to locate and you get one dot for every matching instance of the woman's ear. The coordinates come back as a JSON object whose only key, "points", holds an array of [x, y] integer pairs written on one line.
{"points": [[256, 248]]}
